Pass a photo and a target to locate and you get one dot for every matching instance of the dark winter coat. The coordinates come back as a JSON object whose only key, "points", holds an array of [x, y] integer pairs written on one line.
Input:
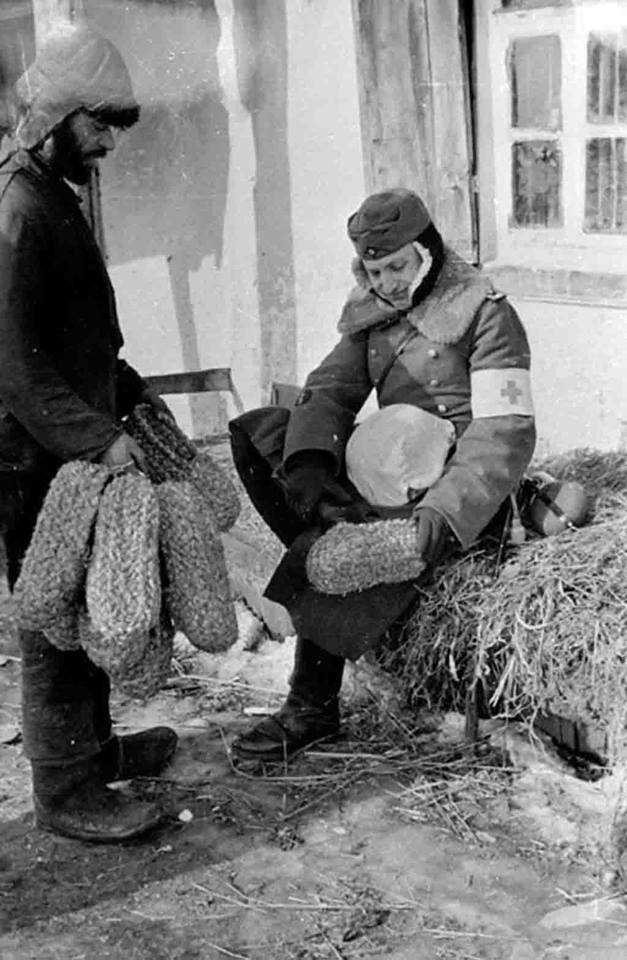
{"points": [[63, 388]]}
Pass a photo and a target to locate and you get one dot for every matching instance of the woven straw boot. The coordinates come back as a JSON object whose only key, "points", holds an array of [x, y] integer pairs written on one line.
{"points": [[309, 715], [73, 802]]}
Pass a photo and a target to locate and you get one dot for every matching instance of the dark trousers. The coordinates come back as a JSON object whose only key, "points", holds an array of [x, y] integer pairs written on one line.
{"points": [[345, 626], [65, 697]]}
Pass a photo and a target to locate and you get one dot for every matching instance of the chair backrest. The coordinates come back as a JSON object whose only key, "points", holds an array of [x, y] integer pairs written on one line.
{"points": [[217, 379]]}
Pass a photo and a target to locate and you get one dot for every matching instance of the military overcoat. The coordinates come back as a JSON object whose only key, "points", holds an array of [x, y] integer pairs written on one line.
{"points": [[463, 355]]}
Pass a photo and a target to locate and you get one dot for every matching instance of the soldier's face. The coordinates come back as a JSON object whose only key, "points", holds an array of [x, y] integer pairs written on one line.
{"points": [[392, 276], [80, 141]]}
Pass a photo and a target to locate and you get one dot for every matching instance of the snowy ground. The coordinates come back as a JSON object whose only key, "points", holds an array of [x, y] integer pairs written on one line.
{"points": [[302, 866]]}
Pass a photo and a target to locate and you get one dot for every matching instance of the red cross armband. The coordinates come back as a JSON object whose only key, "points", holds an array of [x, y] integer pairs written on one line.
{"points": [[497, 393]]}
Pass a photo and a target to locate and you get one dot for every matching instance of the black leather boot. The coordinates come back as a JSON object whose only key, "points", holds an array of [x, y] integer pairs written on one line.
{"points": [[309, 715], [72, 801], [143, 754]]}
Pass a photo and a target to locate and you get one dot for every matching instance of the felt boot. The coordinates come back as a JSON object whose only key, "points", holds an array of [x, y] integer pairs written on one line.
{"points": [[309, 715], [72, 801], [143, 754]]}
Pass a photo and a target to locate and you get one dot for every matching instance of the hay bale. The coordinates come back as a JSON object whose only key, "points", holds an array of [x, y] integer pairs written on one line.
{"points": [[171, 456], [51, 581], [197, 587], [544, 632], [433, 653]]}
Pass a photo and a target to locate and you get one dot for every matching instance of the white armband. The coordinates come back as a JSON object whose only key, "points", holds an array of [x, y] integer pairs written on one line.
{"points": [[496, 393]]}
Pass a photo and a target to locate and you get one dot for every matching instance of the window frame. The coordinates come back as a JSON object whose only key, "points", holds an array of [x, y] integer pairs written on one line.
{"points": [[570, 246]]}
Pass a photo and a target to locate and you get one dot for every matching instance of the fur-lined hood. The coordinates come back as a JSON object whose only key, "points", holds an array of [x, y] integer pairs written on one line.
{"points": [[444, 315]]}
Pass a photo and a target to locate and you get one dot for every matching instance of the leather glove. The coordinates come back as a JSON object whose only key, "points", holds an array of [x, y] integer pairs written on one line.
{"points": [[307, 476], [348, 510], [433, 535]]}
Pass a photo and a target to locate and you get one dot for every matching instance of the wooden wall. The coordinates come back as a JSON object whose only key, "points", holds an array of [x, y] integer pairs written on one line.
{"points": [[414, 105]]}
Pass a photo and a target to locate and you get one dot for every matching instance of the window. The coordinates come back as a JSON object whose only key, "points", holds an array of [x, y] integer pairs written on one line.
{"points": [[535, 76], [559, 106], [606, 159]]}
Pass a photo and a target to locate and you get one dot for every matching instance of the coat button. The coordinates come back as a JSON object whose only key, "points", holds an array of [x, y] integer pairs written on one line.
{"points": [[434, 383], [432, 352], [373, 352], [442, 408]]}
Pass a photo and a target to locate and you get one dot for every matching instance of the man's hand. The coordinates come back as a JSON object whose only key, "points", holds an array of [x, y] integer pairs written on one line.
{"points": [[433, 535], [150, 396], [124, 452]]}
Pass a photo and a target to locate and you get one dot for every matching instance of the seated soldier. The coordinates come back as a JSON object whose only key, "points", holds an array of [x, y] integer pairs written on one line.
{"points": [[424, 329]]}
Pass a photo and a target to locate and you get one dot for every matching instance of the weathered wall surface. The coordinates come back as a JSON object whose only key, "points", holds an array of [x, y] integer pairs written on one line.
{"points": [[224, 207], [579, 357], [326, 169]]}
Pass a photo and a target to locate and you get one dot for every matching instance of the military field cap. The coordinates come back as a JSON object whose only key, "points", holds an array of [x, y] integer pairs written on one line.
{"points": [[397, 452], [75, 68], [386, 221]]}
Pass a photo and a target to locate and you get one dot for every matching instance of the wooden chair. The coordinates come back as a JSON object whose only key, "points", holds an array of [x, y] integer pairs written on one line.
{"points": [[216, 379]]}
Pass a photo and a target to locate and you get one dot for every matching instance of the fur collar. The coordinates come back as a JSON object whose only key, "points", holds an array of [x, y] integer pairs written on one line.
{"points": [[443, 316]]}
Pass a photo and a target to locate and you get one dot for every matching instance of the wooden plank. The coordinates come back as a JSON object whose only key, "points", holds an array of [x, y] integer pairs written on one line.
{"points": [[484, 129], [394, 94], [453, 212], [414, 107], [192, 381], [215, 379]]}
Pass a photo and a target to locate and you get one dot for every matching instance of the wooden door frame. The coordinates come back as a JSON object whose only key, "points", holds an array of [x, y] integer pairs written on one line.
{"points": [[404, 87]]}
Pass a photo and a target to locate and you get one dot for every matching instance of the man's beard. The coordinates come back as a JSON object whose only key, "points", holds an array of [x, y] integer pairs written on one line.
{"points": [[68, 159]]}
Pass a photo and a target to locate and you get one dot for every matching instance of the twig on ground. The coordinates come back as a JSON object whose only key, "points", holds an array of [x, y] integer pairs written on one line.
{"points": [[240, 684], [227, 953], [329, 942], [247, 902]]}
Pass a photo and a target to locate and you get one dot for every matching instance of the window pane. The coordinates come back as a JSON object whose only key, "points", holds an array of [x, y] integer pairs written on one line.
{"points": [[607, 78], [535, 69], [606, 185], [622, 78], [536, 183]]}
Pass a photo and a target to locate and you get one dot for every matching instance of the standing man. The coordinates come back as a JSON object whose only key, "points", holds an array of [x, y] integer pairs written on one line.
{"points": [[430, 335], [63, 393]]}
